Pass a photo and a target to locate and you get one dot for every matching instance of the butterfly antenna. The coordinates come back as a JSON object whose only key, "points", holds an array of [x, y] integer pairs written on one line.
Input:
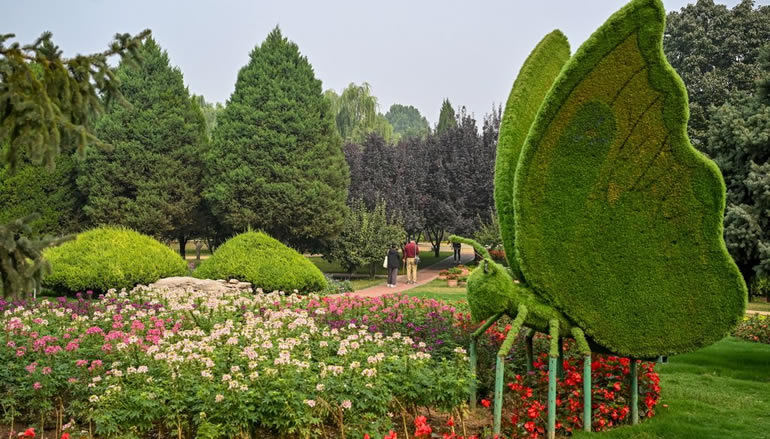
{"points": [[480, 249]]}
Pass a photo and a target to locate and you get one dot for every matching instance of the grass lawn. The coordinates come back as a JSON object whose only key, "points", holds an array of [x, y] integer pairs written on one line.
{"points": [[426, 259], [759, 306], [360, 284], [722, 391], [437, 289]]}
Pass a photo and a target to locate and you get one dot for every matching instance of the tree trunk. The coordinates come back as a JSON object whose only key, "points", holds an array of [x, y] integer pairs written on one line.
{"points": [[198, 246], [182, 245]]}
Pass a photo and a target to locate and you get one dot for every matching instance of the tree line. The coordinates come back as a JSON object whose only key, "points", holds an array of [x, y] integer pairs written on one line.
{"points": [[177, 167]]}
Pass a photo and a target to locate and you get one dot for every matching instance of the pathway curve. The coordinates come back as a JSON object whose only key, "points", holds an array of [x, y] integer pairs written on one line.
{"points": [[424, 275]]}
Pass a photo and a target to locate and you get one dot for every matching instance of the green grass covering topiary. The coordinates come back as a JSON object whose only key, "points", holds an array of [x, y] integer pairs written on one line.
{"points": [[618, 218], [265, 262], [535, 78], [110, 257]]}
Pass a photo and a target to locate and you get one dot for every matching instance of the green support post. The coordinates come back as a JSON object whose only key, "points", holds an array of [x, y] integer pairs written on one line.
{"points": [[530, 349], [634, 392], [560, 363], [551, 397], [499, 377], [587, 393], [553, 356], [500, 366], [473, 358]]}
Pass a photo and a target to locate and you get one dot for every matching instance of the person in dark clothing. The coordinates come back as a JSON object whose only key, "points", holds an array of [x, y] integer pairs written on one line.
{"points": [[456, 246], [394, 262]]}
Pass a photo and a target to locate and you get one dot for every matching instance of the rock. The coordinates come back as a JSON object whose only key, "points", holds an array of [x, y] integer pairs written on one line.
{"points": [[204, 285]]}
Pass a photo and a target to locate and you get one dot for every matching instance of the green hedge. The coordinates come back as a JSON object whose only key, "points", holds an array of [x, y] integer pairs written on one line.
{"points": [[110, 257], [265, 262], [535, 78], [618, 218]]}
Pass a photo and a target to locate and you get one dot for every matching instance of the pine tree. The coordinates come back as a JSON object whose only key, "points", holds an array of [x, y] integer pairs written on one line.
{"points": [[42, 111], [151, 179], [446, 118], [276, 161]]}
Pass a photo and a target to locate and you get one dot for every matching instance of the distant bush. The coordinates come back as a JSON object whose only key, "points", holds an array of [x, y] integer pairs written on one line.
{"points": [[265, 262], [754, 328], [110, 257]]}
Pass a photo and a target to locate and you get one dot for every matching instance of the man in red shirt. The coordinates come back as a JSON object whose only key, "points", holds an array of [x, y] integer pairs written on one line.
{"points": [[410, 253]]}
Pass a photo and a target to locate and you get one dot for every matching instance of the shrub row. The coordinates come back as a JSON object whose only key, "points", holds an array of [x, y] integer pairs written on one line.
{"points": [[115, 257]]}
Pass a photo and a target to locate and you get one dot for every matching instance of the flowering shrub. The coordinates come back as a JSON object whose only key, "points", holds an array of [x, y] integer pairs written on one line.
{"points": [[610, 397], [155, 363], [754, 328], [214, 365]]}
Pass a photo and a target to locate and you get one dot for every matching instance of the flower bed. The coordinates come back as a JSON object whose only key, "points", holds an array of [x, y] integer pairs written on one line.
{"points": [[182, 364], [754, 328]]}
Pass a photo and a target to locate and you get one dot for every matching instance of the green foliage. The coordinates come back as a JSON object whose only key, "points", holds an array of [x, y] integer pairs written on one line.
{"points": [[51, 194], [110, 257], [42, 109], [532, 83], [446, 118], [356, 113], [407, 121], [618, 218], [42, 106], [150, 180], [716, 52], [257, 258], [739, 142], [488, 233], [276, 161], [365, 238], [210, 110]]}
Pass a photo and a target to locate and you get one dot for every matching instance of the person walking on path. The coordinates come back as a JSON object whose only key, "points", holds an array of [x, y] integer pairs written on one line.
{"points": [[411, 251], [394, 262], [456, 246]]}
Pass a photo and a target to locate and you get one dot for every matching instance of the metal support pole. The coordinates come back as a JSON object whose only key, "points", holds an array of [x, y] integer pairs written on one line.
{"points": [[473, 357], [587, 393], [530, 349], [473, 360], [499, 376], [634, 392], [551, 397]]}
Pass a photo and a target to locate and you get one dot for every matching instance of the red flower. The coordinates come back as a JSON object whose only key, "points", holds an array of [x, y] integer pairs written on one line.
{"points": [[485, 403], [616, 386], [366, 436], [30, 432], [391, 435], [67, 436], [450, 422], [529, 426]]}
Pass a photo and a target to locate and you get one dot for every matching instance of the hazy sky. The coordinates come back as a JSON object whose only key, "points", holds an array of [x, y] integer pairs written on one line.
{"points": [[414, 52]]}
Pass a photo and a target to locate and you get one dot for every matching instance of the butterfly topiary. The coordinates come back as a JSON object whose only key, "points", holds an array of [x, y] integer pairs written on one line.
{"points": [[611, 220]]}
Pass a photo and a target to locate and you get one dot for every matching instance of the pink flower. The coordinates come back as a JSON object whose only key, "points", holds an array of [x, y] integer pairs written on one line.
{"points": [[71, 346], [37, 385], [81, 363], [31, 367], [47, 370]]}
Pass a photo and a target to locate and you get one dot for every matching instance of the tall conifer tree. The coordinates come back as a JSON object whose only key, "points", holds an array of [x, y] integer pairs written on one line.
{"points": [[276, 161], [151, 179]]}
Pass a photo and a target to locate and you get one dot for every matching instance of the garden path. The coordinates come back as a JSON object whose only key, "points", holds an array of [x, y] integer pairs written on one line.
{"points": [[751, 311], [424, 275]]}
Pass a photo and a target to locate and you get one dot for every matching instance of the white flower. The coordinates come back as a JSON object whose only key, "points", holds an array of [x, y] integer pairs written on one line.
{"points": [[320, 387], [219, 398], [346, 404], [309, 402], [93, 398]]}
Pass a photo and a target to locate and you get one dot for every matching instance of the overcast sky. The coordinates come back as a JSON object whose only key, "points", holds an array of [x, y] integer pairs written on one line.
{"points": [[412, 52]]}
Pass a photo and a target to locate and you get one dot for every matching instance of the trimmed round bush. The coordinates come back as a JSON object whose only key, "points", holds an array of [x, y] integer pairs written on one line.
{"points": [[265, 262], [110, 257]]}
